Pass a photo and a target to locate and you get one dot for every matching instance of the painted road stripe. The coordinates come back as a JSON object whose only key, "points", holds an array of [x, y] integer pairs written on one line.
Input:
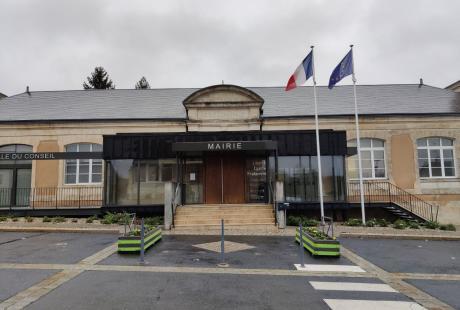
{"points": [[350, 304], [352, 286], [329, 268]]}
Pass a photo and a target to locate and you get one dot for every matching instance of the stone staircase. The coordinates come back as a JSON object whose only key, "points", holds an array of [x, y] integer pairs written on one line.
{"points": [[234, 216]]}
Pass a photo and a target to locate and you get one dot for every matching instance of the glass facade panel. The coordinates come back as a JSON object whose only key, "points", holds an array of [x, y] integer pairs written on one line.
{"points": [[134, 182], [124, 185], [299, 175]]}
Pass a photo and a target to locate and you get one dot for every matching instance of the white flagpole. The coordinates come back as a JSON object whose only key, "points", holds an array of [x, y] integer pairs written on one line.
{"points": [[318, 151], [358, 142]]}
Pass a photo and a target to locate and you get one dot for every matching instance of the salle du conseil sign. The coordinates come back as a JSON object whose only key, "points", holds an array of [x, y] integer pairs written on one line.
{"points": [[50, 155]]}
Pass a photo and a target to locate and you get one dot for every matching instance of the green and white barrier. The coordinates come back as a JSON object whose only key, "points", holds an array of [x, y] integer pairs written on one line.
{"points": [[133, 243], [326, 247]]}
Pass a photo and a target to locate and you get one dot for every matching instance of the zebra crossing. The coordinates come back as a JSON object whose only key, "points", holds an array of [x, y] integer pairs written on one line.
{"points": [[360, 295]]}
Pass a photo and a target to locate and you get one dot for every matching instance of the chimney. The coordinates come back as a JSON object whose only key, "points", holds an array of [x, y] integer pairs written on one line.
{"points": [[421, 83], [27, 90]]}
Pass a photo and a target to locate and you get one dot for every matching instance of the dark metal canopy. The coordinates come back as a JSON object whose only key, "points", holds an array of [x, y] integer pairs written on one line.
{"points": [[160, 145]]}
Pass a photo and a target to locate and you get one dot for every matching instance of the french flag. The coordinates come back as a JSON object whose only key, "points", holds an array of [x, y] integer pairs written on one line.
{"points": [[303, 72]]}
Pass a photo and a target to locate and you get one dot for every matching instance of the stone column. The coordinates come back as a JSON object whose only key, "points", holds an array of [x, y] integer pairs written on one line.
{"points": [[168, 208], [279, 189]]}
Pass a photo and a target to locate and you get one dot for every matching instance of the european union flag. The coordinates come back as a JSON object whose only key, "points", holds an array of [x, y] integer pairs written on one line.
{"points": [[343, 69]]}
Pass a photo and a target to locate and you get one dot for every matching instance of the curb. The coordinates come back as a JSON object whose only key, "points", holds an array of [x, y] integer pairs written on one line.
{"points": [[396, 236], [58, 229]]}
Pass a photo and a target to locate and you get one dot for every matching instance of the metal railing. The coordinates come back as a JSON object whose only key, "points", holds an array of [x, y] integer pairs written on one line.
{"points": [[386, 192], [51, 197]]}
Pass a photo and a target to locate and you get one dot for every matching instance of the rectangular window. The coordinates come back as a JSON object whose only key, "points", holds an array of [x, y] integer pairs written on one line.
{"points": [[372, 160], [83, 171], [436, 157]]}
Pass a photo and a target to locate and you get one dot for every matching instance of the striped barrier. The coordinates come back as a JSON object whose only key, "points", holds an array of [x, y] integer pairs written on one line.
{"points": [[133, 243], [318, 247]]}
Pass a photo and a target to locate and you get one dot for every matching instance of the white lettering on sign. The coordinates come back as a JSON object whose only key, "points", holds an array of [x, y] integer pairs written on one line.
{"points": [[5, 156], [26, 156], [225, 146]]}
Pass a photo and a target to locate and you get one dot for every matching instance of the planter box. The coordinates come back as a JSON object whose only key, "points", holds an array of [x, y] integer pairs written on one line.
{"points": [[133, 243], [319, 247]]}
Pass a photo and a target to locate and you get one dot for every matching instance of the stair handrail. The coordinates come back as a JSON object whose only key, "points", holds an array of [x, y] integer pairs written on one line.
{"points": [[402, 198]]}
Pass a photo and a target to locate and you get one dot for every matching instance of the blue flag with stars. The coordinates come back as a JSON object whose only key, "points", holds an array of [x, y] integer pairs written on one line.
{"points": [[343, 69]]}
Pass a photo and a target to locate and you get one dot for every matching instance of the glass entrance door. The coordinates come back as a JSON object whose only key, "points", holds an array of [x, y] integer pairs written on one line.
{"points": [[6, 187], [23, 178], [256, 180]]}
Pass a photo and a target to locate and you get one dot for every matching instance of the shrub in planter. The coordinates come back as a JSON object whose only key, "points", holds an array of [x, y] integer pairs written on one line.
{"points": [[46, 219], [29, 219], [293, 220], [431, 225], [383, 223], [3, 218], [91, 219], [153, 221], [353, 222], [14, 219], [306, 222], [371, 223], [449, 227], [59, 219], [413, 225], [400, 224]]}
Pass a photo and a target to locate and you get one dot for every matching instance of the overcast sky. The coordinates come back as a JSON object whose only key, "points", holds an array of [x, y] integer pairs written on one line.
{"points": [[55, 44]]}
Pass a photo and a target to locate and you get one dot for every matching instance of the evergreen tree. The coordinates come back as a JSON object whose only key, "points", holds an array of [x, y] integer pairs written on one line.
{"points": [[99, 79], [142, 84]]}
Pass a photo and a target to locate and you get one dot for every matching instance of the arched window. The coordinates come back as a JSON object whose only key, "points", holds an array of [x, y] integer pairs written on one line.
{"points": [[372, 157], [436, 157], [83, 171]]}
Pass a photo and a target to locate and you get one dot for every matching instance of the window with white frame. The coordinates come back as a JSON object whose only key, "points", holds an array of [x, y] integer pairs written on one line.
{"points": [[83, 171], [372, 159], [436, 157]]}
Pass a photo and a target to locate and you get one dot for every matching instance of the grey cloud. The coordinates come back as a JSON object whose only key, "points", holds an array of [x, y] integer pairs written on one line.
{"points": [[52, 44]]}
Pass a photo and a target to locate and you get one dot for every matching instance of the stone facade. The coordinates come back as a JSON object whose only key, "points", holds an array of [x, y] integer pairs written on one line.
{"points": [[230, 109]]}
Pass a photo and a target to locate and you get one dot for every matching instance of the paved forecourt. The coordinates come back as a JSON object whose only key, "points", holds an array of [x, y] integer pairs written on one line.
{"points": [[51, 248], [182, 273], [254, 252], [408, 256]]}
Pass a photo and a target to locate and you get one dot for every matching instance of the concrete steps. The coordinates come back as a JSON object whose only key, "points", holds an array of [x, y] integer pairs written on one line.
{"points": [[235, 215]]}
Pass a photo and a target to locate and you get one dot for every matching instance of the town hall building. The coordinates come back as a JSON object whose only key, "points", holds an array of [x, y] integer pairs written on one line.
{"points": [[186, 152]]}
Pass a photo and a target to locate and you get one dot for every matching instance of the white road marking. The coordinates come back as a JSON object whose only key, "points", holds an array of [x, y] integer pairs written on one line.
{"points": [[352, 286], [329, 268], [351, 304]]}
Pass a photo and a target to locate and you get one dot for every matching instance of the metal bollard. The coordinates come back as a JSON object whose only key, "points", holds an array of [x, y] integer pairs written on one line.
{"points": [[301, 252], [222, 243], [222, 246], [142, 242]]}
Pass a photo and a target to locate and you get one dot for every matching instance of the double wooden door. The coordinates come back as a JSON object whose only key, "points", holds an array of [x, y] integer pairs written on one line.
{"points": [[224, 178]]}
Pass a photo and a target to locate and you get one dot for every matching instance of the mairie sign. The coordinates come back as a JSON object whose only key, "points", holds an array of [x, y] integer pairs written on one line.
{"points": [[50, 155], [213, 146]]}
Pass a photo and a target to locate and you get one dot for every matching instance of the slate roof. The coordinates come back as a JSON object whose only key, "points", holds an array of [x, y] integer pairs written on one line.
{"points": [[122, 104]]}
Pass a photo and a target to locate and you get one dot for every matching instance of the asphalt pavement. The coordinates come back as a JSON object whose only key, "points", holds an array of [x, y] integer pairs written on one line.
{"points": [[202, 286]]}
